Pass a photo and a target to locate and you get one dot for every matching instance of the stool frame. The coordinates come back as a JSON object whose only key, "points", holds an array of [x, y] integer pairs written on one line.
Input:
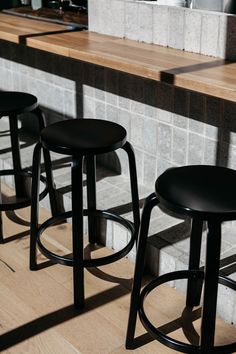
{"points": [[78, 262], [20, 173], [194, 287]]}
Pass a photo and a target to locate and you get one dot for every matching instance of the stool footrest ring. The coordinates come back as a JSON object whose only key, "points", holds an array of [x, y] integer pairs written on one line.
{"points": [[23, 201], [163, 338], [88, 262]]}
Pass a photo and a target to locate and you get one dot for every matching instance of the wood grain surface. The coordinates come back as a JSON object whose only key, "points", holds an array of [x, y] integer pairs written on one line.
{"points": [[208, 75]]}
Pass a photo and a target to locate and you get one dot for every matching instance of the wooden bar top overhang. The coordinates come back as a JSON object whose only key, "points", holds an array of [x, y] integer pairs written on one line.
{"points": [[208, 75]]}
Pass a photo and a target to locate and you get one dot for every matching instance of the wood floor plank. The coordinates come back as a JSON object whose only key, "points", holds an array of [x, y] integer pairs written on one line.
{"points": [[36, 308]]}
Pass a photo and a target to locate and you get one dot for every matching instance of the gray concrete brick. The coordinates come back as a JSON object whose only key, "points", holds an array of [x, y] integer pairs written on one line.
{"points": [[192, 33], [150, 136], [151, 112], [210, 152], [163, 165], [164, 116], [196, 126], [225, 304], [160, 25], [89, 107], [124, 119], [98, 16], [139, 157], [132, 20], [209, 34], [195, 149], [214, 115], [137, 126], [180, 121], [115, 17], [179, 152], [70, 104], [100, 110], [164, 141], [112, 113], [149, 170], [137, 107], [176, 28], [145, 20]]}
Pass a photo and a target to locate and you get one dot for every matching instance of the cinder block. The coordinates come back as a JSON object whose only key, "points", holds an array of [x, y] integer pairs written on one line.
{"points": [[196, 126], [112, 113], [137, 107], [164, 141], [120, 237], [214, 115], [149, 173], [164, 116], [150, 136], [100, 110], [89, 107], [97, 16], [137, 126], [179, 153], [209, 35], [70, 104], [210, 152], [145, 20], [117, 18], [124, 119], [162, 165], [176, 28], [226, 303], [132, 20], [195, 149], [192, 33], [180, 121], [139, 157], [160, 25]]}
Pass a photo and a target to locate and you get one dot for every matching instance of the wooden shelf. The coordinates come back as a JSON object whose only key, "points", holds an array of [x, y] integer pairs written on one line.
{"points": [[208, 75]]}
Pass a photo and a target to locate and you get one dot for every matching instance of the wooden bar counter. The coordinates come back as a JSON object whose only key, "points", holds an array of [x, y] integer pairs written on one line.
{"points": [[208, 75]]}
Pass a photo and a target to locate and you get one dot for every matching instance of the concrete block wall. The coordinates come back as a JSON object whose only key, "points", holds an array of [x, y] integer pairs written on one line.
{"points": [[167, 126], [198, 31]]}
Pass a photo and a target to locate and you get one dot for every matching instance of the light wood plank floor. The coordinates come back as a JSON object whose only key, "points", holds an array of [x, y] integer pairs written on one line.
{"points": [[36, 311]]}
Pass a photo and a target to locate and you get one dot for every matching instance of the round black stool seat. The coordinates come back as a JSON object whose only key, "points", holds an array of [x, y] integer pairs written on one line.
{"points": [[83, 139], [207, 195], [202, 190], [12, 102], [83, 136]]}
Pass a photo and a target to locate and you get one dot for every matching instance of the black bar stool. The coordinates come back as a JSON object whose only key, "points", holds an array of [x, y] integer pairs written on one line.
{"points": [[12, 104], [205, 193], [82, 139]]}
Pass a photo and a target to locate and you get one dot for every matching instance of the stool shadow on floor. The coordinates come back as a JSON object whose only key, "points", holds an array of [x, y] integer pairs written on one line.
{"points": [[55, 318], [185, 321]]}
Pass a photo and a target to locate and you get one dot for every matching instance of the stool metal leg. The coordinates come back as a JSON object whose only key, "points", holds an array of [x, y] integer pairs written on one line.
{"points": [[77, 231], [35, 205], [19, 181], [211, 286], [150, 202], [93, 222], [194, 288], [134, 185], [48, 167]]}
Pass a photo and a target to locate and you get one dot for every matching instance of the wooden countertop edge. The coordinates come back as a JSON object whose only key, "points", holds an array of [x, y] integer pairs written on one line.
{"points": [[185, 81], [109, 52]]}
